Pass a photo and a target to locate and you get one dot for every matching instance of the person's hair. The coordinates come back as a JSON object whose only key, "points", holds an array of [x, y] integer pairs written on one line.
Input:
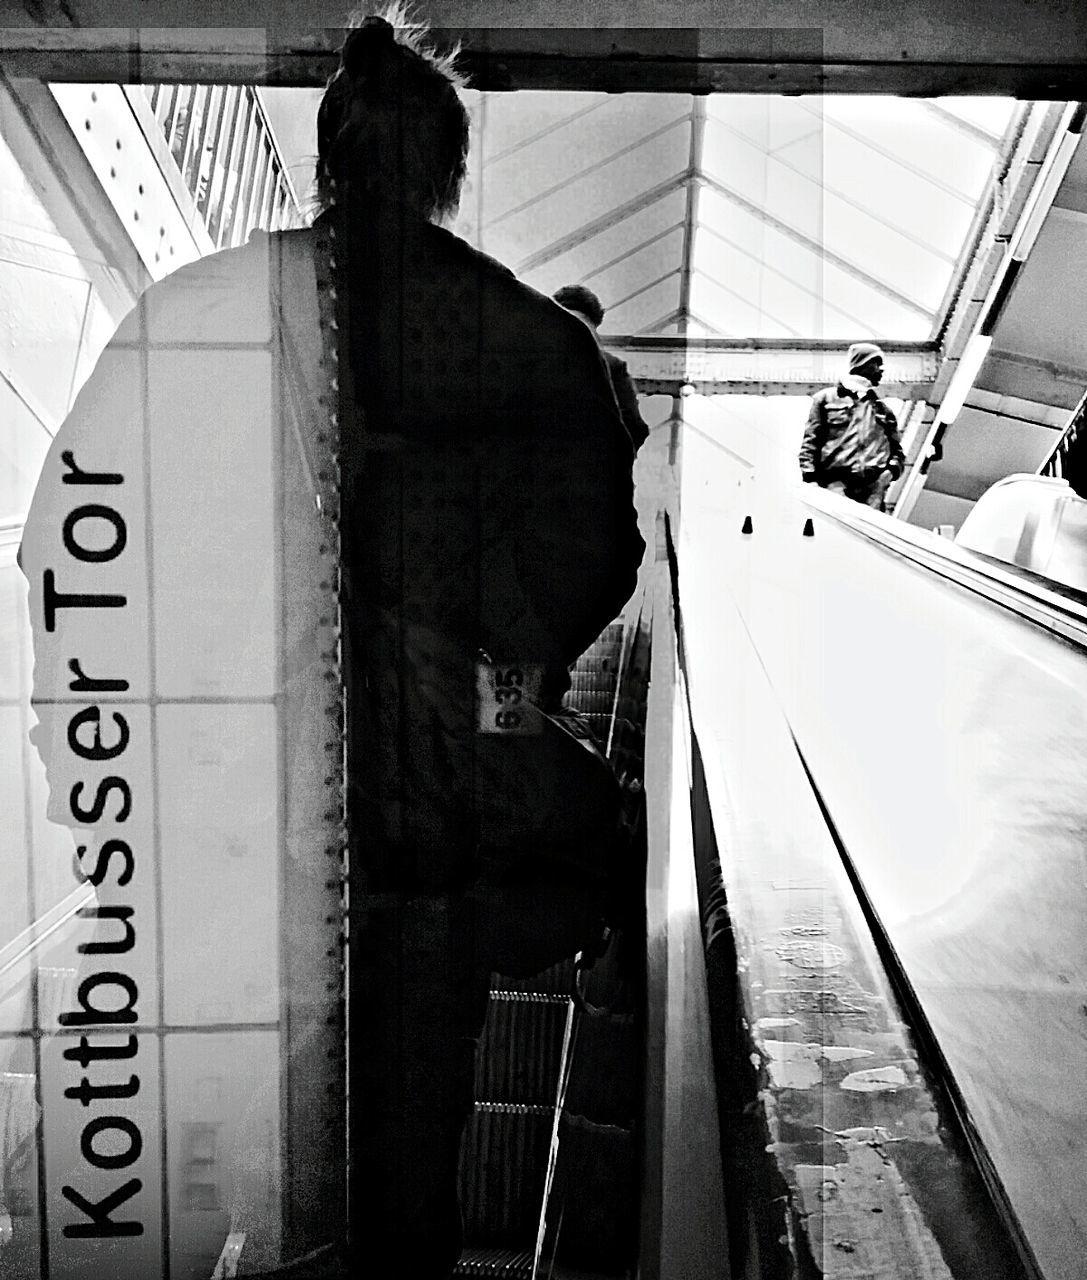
{"points": [[575, 297], [391, 121]]}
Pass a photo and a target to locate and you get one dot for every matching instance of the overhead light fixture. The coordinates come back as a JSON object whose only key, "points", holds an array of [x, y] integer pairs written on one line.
{"points": [[1047, 186], [962, 381]]}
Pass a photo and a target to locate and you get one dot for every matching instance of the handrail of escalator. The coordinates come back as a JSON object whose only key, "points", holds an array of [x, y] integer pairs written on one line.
{"points": [[1053, 606]]}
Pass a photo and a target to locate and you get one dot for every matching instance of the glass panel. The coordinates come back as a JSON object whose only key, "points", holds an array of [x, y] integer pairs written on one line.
{"points": [[247, 161], [180, 122], [194, 145], [267, 203], [209, 144], [880, 192], [257, 185], [165, 842], [167, 93], [223, 175]]}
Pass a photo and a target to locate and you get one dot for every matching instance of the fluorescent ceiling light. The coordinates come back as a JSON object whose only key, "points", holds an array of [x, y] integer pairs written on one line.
{"points": [[1048, 184], [1044, 195], [969, 367]]}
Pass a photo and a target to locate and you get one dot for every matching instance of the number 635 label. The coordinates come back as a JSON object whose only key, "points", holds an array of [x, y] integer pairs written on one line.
{"points": [[506, 697]]}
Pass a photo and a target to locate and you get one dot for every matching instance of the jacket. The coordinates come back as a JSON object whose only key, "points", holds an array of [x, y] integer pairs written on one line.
{"points": [[493, 447], [850, 430], [626, 395]]}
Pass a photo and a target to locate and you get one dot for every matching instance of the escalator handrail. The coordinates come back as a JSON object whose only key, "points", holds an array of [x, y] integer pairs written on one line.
{"points": [[1061, 610]]}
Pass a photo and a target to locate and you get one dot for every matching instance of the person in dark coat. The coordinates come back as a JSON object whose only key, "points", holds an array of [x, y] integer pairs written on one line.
{"points": [[488, 515], [851, 444], [587, 307]]}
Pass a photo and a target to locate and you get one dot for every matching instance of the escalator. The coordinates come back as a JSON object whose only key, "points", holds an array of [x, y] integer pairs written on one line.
{"points": [[549, 1163], [797, 1090], [886, 782]]}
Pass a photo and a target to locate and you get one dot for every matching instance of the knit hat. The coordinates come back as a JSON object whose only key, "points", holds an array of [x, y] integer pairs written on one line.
{"points": [[861, 353]]}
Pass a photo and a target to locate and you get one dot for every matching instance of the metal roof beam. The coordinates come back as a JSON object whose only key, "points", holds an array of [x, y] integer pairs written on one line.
{"points": [[754, 306], [630, 253], [604, 223], [656, 326], [652, 331], [967, 127], [553, 127], [861, 325], [697, 121], [642, 288], [827, 188], [1018, 48], [763, 366], [595, 167], [870, 143]]}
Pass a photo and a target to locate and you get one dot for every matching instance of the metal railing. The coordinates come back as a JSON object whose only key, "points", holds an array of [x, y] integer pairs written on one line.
{"points": [[227, 156], [1068, 460]]}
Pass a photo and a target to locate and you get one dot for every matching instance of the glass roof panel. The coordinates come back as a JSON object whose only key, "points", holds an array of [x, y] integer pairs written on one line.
{"points": [[915, 138], [743, 314], [580, 262], [654, 260], [836, 217], [527, 210], [645, 310], [991, 115]]}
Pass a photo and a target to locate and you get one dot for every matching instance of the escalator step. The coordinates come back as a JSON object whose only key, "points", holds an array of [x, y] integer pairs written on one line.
{"points": [[516, 1264], [503, 1167], [520, 1049], [597, 665]]}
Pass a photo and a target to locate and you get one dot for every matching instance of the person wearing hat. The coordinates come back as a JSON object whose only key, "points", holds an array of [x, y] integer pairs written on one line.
{"points": [[851, 444]]}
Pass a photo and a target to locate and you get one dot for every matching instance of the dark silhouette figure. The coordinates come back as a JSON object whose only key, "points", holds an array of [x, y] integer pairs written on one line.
{"points": [[587, 307]]}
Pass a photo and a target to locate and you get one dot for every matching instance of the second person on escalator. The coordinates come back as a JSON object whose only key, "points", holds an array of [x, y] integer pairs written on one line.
{"points": [[851, 444], [584, 304]]}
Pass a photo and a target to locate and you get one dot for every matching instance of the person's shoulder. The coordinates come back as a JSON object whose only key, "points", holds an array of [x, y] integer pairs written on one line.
{"points": [[514, 313], [445, 243]]}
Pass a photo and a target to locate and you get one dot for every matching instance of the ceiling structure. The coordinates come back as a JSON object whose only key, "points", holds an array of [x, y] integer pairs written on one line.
{"points": [[738, 241], [1031, 370], [1021, 48], [735, 216]]}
